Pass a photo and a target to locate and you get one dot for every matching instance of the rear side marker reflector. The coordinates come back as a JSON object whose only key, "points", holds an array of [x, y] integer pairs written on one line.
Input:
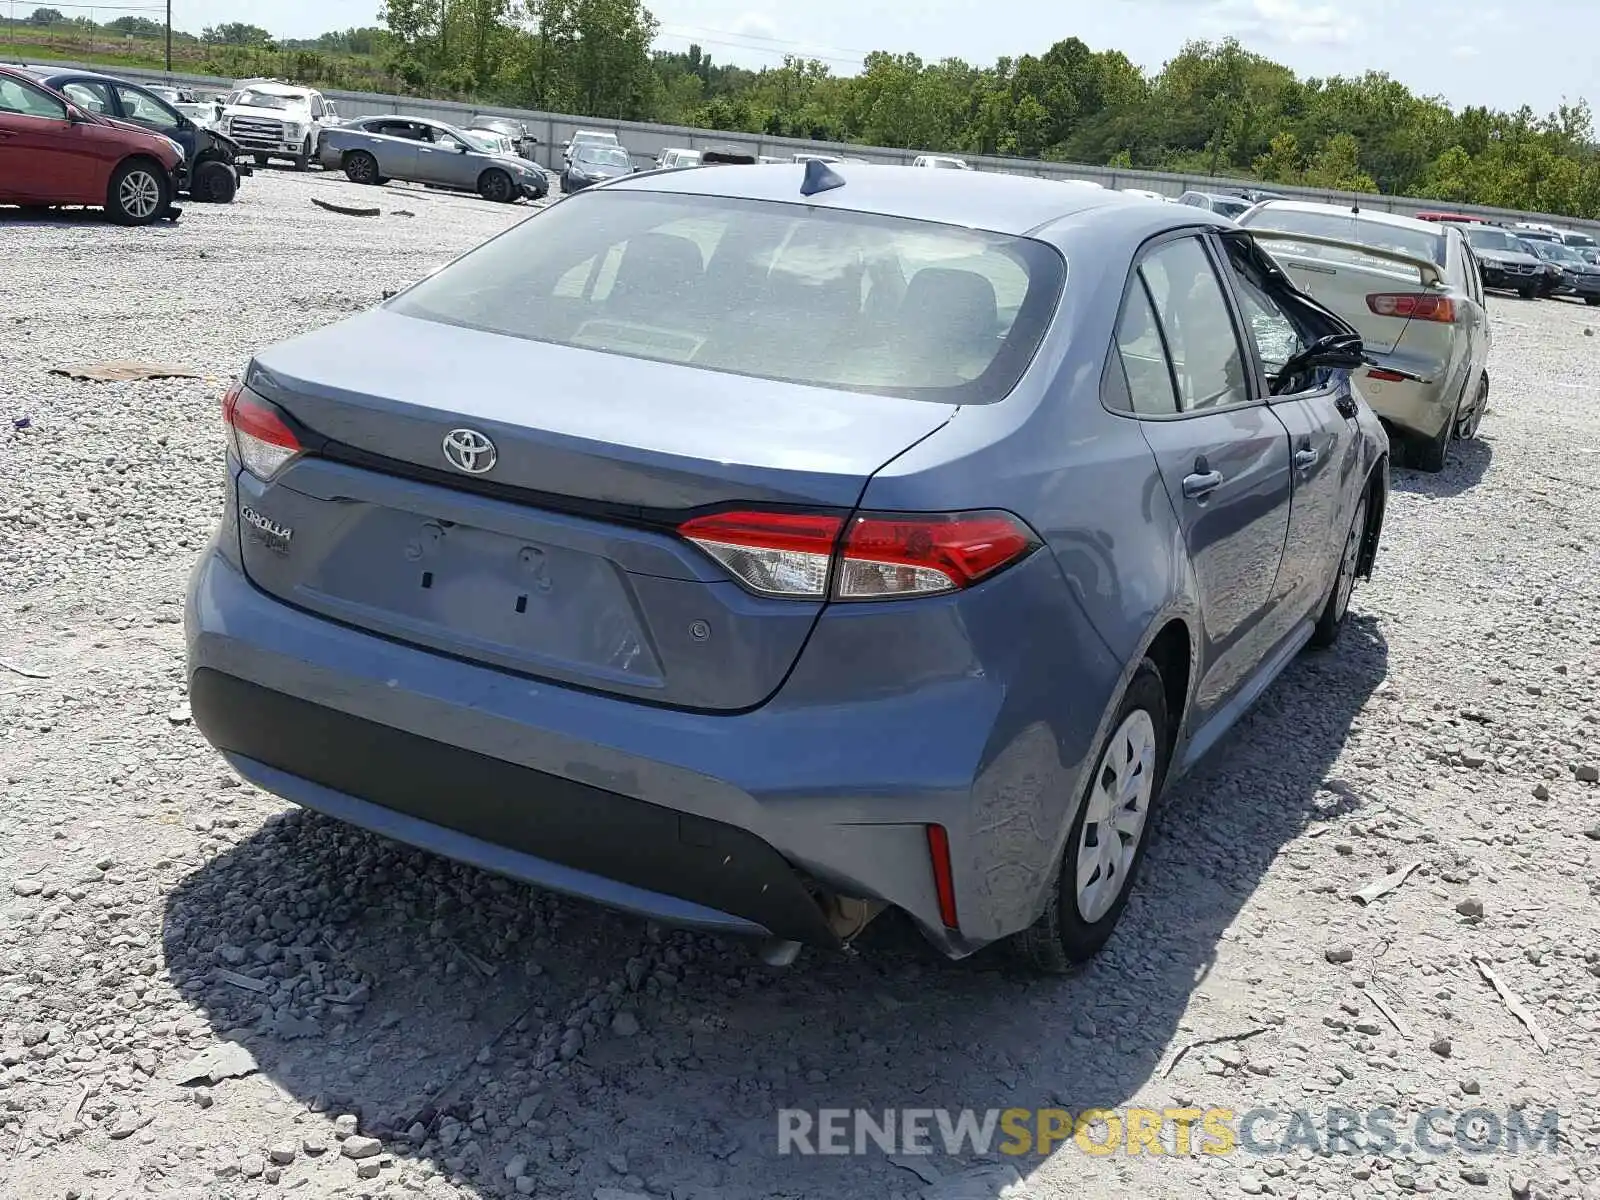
{"points": [[1415, 306], [875, 556], [944, 884], [1384, 376], [261, 438]]}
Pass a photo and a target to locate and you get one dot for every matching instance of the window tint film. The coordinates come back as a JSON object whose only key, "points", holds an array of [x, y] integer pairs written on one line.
{"points": [[837, 299]]}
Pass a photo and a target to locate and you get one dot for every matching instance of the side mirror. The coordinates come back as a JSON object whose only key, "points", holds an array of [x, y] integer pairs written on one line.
{"points": [[1339, 351], [75, 115]]}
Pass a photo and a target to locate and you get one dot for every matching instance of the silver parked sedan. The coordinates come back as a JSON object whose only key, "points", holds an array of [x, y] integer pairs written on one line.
{"points": [[1413, 290], [415, 150]]}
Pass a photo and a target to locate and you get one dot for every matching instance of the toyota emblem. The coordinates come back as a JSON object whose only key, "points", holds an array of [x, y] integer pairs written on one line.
{"points": [[470, 451]]}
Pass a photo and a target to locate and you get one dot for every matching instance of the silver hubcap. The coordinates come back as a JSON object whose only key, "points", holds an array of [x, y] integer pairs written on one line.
{"points": [[139, 194], [1347, 564], [1119, 802]]}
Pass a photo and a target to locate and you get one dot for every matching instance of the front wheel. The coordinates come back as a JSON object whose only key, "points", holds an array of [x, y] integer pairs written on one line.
{"points": [[1330, 624], [140, 191], [1591, 301], [1528, 293], [496, 186], [302, 161], [214, 182], [1107, 840]]}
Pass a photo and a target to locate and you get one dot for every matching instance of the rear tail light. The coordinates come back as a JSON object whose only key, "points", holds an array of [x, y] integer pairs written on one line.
{"points": [[874, 557], [1384, 376], [1416, 306], [261, 437]]}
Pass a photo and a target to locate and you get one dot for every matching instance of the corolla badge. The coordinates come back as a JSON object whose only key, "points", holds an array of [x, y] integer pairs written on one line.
{"points": [[470, 451]]}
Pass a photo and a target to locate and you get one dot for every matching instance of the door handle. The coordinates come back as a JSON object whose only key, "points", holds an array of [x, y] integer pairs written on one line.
{"points": [[1306, 458], [1197, 486]]}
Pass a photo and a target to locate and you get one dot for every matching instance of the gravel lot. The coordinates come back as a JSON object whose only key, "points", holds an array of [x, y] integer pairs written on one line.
{"points": [[496, 1041]]}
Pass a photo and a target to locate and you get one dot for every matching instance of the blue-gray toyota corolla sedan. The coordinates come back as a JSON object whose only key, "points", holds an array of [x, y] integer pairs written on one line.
{"points": [[757, 548]]}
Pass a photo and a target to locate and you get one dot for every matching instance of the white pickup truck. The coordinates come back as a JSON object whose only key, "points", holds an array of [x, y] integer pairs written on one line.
{"points": [[272, 119]]}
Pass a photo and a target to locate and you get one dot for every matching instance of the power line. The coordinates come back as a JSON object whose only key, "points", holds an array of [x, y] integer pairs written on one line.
{"points": [[777, 41], [708, 41]]}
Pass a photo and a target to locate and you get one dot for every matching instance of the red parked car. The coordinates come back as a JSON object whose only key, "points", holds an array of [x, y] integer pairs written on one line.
{"points": [[54, 153]]}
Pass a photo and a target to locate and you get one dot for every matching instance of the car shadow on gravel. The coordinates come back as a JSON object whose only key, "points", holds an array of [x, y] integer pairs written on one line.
{"points": [[1463, 470], [497, 1034]]}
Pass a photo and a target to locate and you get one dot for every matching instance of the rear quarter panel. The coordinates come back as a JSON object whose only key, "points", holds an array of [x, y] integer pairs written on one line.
{"points": [[1086, 482]]}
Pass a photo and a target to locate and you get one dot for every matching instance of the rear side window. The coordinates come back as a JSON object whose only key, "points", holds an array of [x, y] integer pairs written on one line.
{"points": [[1144, 358], [844, 300], [1198, 325]]}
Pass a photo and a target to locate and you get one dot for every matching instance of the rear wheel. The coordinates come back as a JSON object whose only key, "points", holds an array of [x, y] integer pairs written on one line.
{"points": [[1430, 454], [360, 167], [1108, 837], [139, 192], [1331, 623], [497, 186], [1467, 423]]}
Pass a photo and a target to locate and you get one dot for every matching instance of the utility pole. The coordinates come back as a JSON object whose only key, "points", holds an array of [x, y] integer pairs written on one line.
{"points": [[169, 37]]}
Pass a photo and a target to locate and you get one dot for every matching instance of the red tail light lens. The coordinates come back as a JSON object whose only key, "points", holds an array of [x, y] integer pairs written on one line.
{"points": [[261, 438], [1416, 306], [1384, 376], [883, 556], [891, 555], [772, 554]]}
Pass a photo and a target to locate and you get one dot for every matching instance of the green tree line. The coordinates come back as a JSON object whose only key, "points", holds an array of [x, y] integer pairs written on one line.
{"points": [[1214, 109]]}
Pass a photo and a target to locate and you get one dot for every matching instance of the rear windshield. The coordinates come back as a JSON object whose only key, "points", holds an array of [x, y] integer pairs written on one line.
{"points": [[1418, 243], [844, 300], [1493, 239], [1581, 240], [1230, 208]]}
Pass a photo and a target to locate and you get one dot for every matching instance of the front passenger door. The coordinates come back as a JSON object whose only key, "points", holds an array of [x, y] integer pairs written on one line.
{"points": [[1324, 448], [1223, 457]]}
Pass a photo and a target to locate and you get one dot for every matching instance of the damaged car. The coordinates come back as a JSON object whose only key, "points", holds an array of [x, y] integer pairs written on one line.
{"points": [[1413, 291], [374, 150], [755, 615], [212, 164]]}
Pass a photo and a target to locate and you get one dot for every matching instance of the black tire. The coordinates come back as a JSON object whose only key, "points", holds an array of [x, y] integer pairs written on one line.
{"points": [[361, 167], [1467, 423], [214, 183], [1591, 301], [139, 193], [1431, 454], [262, 160], [302, 161], [1062, 937], [497, 187], [1528, 293], [1330, 624]]}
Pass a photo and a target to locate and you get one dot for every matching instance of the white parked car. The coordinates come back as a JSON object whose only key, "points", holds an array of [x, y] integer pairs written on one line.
{"points": [[270, 119], [948, 162], [678, 159]]}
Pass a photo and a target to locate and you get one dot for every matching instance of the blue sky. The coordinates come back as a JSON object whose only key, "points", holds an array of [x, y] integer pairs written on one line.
{"points": [[1457, 49]]}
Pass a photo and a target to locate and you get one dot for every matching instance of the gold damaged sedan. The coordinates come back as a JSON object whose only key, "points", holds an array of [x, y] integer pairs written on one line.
{"points": [[1414, 292]]}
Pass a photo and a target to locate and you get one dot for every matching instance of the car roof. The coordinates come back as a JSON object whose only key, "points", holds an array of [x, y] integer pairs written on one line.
{"points": [[1366, 214], [276, 89], [1009, 204]]}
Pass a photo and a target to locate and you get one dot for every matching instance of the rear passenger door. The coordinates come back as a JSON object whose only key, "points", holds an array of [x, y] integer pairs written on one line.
{"points": [[1222, 454]]}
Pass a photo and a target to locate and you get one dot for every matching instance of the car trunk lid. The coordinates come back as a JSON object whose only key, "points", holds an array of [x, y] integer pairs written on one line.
{"points": [[1341, 274], [560, 560]]}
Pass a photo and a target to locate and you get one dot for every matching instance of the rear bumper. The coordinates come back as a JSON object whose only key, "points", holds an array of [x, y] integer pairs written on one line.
{"points": [[1416, 408], [732, 822], [566, 836]]}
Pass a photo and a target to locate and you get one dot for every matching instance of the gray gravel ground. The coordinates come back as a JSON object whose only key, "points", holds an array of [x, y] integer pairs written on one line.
{"points": [[412, 1028]]}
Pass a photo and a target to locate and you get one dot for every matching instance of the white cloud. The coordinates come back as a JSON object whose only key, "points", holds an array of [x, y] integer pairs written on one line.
{"points": [[1282, 22]]}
